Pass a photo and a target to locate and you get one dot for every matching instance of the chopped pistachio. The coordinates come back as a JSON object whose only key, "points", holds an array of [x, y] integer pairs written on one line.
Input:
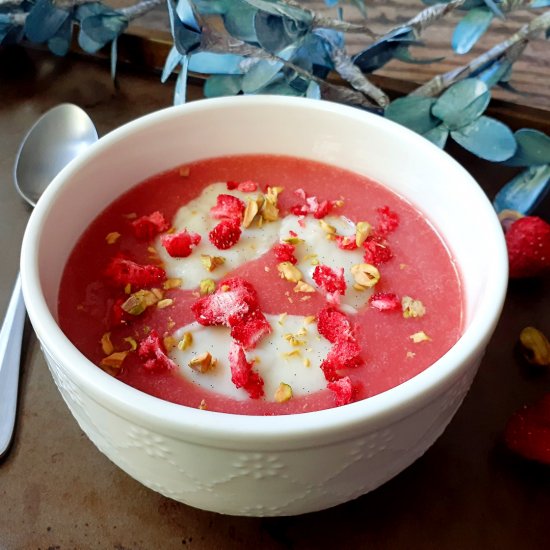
{"points": [[365, 275], [167, 302], [202, 405], [132, 342], [418, 337], [362, 231], [306, 362], [184, 171], [127, 288], [314, 259], [282, 318], [207, 286], [289, 272], [158, 293], [301, 286], [130, 216], [327, 228], [114, 360], [293, 353], [269, 210], [411, 355], [309, 319], [152, 249], [252, 208], [172, 283], [294, 241], [112, 237], [305, 298], [535, 345], [283, 393], [224, 288], [412, 307], [292, 340], [139, 301], [169, 343], [211, 262], [106, 344], [203, 362], [186, 341]]}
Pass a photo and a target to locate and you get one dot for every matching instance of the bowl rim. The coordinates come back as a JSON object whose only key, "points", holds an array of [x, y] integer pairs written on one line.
{"points": [[232, 429]]}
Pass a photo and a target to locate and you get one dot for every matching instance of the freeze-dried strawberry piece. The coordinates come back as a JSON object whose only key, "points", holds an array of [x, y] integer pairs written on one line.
{"points": [[528, 243], [385, 301], [376, 251], [312, 205], [345, 354], [329, 280], [342, 389], [180, 245], [528, 431], [248, 186], [123, 271], [284, 252], [147, 227], [346, 243], [249, 332], [330, 370], [242, 374], [235, 305], [225, 234], [388, 220], [232, 185], [152, 350], [333, 325], [118, 315], [228, 207]]}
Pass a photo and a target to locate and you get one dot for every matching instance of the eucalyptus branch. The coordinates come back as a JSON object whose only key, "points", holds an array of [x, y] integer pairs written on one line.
{"points": [[139, 9], [68, 4], [430, 15], [510, 46], [216, 39]]}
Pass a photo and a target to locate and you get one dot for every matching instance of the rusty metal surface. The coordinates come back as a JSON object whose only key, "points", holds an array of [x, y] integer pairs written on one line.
{"points": [[58, 491]]}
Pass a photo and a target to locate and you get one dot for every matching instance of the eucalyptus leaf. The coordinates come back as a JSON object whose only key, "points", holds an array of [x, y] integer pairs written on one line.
{"points": [[263, 72], [313, 90], [275, 33], [539, 4], [472, 26], [413, 112], [87, 43], [279, 86], [438, 135], [533, 148], [104, 28], [173, 59], [114, 58], [239, 22], [487, 138], [180, 88], [499, 71], [59, 43], [222, 85], [283, 9], [186, 15], [44, 20], [213, 7], [462, 103], [525, 192], [402, 53], [186, 38], [493, 6], [216, 63], [382, 51]]}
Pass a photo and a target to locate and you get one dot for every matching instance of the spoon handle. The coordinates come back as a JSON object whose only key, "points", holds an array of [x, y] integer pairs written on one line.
{"points": [[10, 355]]}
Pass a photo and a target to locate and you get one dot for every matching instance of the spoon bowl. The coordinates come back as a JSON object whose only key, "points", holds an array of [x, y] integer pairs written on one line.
{"points": [[56, 138]]}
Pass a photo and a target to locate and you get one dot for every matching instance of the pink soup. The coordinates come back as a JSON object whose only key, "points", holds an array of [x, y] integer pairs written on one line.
{"points": [[261, 285]]}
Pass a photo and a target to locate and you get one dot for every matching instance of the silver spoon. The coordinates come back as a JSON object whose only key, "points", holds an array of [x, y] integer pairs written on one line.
{"points": [[56, 138]]}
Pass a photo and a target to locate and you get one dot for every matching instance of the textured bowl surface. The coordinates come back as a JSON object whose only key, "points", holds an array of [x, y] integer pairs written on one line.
{"points": [[250, 465]]}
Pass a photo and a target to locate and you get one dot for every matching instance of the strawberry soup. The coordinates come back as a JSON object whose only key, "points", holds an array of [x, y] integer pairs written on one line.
{"points": [[261, 285]]}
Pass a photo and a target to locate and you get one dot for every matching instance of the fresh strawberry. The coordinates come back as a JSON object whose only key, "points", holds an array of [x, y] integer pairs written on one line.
{"points": [[528, 242], [180, 245], [225, 234], [147, 227], [342, 389], [242, 374], [284, 252], [329, 280], [152, 350], [376, 251], [385, 301], [333, 325], [528, 431], [388, 220], [228, 207], [123, 271]]}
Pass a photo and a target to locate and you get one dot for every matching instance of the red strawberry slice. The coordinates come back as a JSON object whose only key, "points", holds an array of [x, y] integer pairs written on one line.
{"points": [[528, 242], [180, 245], [123, 271], [228, 207], [152, 350], [242, 374], [147, 227], [528, 431], [225, 234]]}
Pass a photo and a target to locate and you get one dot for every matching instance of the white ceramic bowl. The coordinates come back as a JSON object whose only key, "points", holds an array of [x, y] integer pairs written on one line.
{"points": [[250, 465]]}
